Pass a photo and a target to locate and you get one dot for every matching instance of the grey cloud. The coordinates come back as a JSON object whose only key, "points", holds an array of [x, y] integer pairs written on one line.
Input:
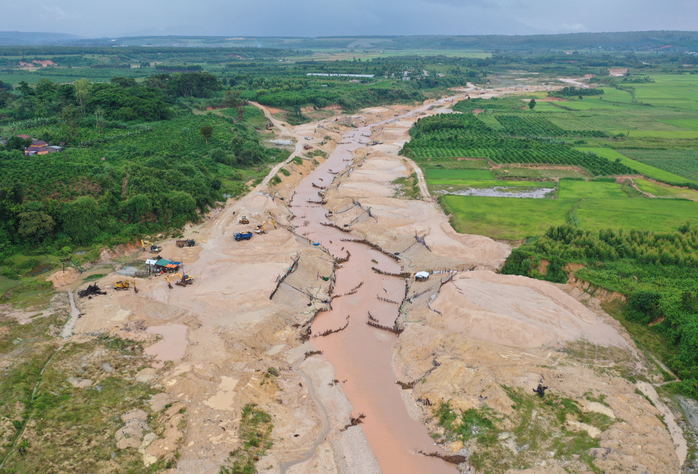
{"points": [[335, 17]]}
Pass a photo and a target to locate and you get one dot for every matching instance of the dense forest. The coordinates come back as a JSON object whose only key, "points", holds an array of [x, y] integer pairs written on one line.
{"points": [[136, 161]]}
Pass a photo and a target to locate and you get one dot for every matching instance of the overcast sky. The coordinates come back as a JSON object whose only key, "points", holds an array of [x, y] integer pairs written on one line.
{"points": [[92, 18]]}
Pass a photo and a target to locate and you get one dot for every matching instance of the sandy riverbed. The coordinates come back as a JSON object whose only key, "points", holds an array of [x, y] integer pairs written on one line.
{"points": [[235, 330]]}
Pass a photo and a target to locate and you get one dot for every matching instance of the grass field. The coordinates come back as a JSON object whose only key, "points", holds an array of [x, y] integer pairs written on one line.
{"points": [[504, 218], [518, 219], [675, 91], [688, 124], [658, 215], [664, 191], [590, 189], [458, 174]]}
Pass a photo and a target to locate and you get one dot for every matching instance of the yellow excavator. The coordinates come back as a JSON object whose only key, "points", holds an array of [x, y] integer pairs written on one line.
{"points": [[184, 280], [125, 285], [270, 126], [151, 247], [261, 229], [244, 220]]}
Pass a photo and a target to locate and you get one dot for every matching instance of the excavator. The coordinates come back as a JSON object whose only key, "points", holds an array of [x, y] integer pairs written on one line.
{"points": [[184, 280], [261, 229], [148, 245], [270, 126], [244, 220], [125, 285]]}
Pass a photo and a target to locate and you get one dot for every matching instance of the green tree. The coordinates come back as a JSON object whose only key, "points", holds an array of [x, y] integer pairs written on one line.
{"points": [[99, 118], [123, 81], [18, 143], [82, 92], [72, 117], [138, 206], [80, 219], [35, 225], [206, 132], [532, 104]]}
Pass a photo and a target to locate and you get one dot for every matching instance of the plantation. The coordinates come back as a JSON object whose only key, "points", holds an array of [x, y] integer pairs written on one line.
{"points": [[537, 126], [440, 138]]}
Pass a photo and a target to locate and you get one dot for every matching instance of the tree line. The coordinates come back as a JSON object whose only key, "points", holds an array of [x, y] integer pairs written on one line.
{"points": [[656, 271]]}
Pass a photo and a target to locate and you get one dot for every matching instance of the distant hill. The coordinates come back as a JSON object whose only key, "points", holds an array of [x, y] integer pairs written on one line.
{"points": [[624, 41], [28, 38], [663, 41]]}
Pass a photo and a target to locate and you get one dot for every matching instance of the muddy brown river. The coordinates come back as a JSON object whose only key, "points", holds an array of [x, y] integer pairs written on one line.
{"points": [[361, 354]]}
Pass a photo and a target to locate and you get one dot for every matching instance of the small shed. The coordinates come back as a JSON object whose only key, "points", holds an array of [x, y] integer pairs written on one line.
{"points": [[150, 263], [421, 276], [164, 265]]}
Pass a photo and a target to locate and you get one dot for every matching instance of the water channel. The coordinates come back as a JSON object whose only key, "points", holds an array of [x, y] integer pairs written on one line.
{"points": [[361, 354]]}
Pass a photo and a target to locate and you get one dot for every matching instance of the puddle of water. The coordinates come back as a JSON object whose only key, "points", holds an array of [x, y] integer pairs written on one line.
{"points": [[38, 270], [360, 353], [172, 346], [128, 271], [498, 191]]}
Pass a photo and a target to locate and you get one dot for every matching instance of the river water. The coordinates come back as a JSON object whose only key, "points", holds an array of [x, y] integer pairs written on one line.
{"points": [[361, 354]]}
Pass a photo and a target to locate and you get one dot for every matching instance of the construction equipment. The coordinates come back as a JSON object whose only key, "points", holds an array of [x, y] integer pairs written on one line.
{"points": [[151, 247], [185, 243], [243, 236], [244, 220], [125, 285], [261, 229], [184, 280], [270, 126], [307, 147]]}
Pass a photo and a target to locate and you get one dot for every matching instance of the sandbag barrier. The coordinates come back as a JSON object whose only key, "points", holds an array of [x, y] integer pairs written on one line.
{"points": [[395, 330], [373, 322], [332, 224], [306, 330], [449, 458], [399, 275], [343, 259], [351, 292], [292, 269], [374, 247], [333, 331], [311, 353]]}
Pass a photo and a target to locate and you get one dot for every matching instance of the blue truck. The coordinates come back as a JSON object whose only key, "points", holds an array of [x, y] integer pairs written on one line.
{"points": [[243, 236]]}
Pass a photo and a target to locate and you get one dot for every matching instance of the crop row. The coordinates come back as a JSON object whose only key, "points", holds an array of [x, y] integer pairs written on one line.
{"points": [[540, 127], [595, 165]]}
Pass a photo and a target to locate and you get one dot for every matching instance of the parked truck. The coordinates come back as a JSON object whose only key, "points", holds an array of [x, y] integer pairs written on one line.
{"points": [[243, 236], [185, 243]]}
